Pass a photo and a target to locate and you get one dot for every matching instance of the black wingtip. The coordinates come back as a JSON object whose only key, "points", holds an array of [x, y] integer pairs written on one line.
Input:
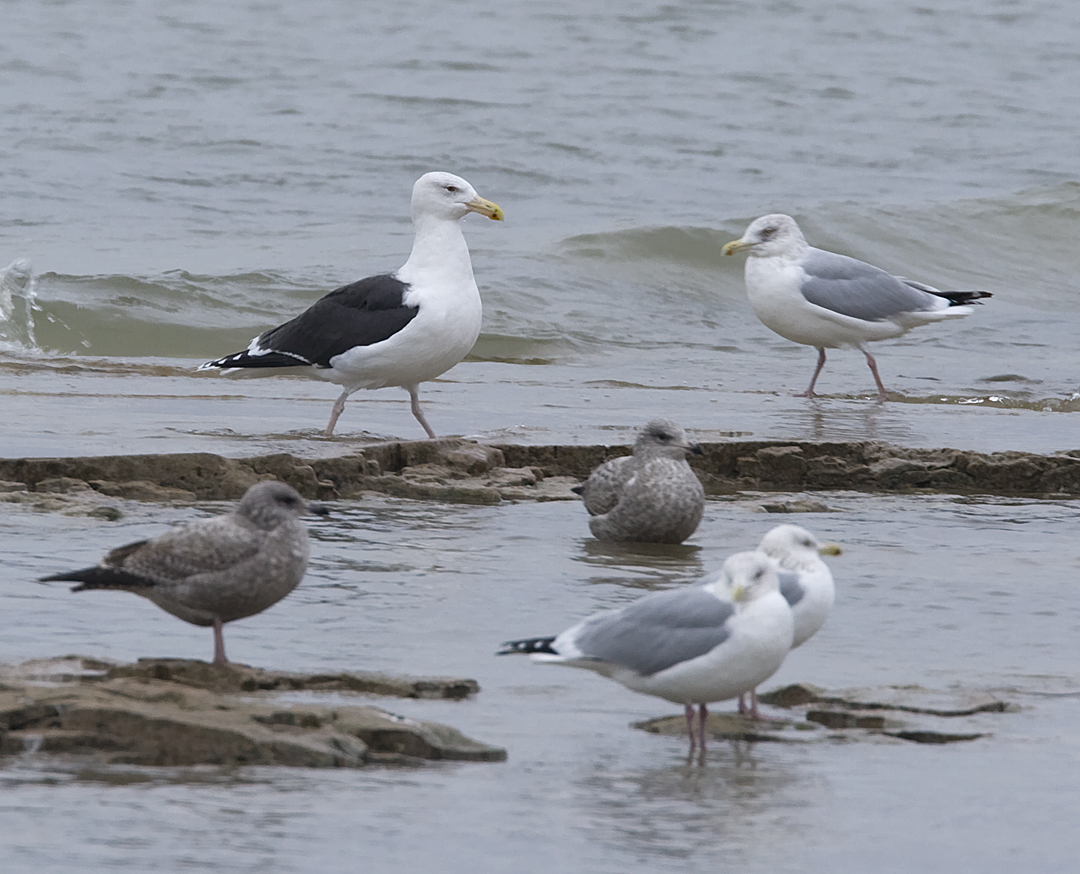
{"points": [[530, 645], [578, 490], [268, 359], [99, 577], [963, 298]]}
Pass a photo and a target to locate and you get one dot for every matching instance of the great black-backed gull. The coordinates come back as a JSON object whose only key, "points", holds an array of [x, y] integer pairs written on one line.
{"points": [[696, 645], [215, 570], [397, 329], [826, 300], [651, 496]]}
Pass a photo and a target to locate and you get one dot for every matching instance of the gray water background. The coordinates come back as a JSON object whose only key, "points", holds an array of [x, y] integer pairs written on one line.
{"points": [[183, 176]]}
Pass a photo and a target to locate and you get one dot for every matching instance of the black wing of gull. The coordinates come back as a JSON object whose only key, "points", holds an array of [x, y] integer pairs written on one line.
{"points": [[359, 314]]}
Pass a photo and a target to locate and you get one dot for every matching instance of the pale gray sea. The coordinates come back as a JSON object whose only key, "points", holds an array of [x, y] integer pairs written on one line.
{"points": [[178, 177]]}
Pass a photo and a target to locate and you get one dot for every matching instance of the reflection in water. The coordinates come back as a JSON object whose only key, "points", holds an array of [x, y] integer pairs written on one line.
{"points": [[834, 419], [642, 565], [712, 806]]}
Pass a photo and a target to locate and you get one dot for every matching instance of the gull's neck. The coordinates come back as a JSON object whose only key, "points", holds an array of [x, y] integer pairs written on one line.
{"points": [[438, 249], [802, 562]]}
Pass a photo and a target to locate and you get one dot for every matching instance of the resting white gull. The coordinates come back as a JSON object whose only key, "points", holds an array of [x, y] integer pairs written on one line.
{"points": [[826, 300], [805, 582], [652, 496], [215, 570], [704, 643], [397, 329]]}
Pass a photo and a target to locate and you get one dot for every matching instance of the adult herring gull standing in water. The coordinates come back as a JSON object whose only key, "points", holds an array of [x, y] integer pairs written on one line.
{"points": [[805, 582], [397, 329], [694, 645], [652, 496], [826, 300], [215, 570]]}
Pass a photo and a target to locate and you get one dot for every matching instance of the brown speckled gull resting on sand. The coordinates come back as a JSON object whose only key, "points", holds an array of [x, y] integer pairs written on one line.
{"points": [[651, 496], [215, 570]]}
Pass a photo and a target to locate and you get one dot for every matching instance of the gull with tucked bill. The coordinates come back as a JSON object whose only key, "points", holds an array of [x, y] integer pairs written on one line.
{"points": [[651, 496]]}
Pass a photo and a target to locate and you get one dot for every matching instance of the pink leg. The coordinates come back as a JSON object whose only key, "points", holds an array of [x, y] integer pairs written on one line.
{"points": [[339, 408], [755, 714], [882, 396], [412, 389], [809, 393], [703, 714], [690, 724], [742, 705], [219, 644]]}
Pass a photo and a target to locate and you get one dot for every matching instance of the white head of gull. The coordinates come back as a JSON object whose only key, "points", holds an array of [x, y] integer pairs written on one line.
{"points": [[826, 300], [696, 645], [805, 582], [215, 570], [395, 329]]}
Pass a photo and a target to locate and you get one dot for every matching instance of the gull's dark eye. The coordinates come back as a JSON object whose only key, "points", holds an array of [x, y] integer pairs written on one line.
{"points": [[767, 232], [287, 500], [452, 189]]}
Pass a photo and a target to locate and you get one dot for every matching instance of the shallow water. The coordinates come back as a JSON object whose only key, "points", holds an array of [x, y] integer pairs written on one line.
{"points": [[430, 588], [181, 178]]}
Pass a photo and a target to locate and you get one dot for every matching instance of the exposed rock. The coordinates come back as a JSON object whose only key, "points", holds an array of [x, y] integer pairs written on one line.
{"points": [[109, 514], [461, 470], [141, 490], [845, 716], [726, 726], [62, 484], [843, 719], [234, 678], [907, 699], [473, 458], [932, 737], [126, 715], [801, 505]]}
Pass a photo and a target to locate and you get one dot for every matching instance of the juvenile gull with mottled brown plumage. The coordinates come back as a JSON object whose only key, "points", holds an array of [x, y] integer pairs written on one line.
{"points": [[215, 570], [652, 496]]}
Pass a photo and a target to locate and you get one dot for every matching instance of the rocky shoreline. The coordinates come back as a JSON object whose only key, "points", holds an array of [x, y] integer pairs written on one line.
{"points": [[175, 712], [470, 472], [182, 713]]}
